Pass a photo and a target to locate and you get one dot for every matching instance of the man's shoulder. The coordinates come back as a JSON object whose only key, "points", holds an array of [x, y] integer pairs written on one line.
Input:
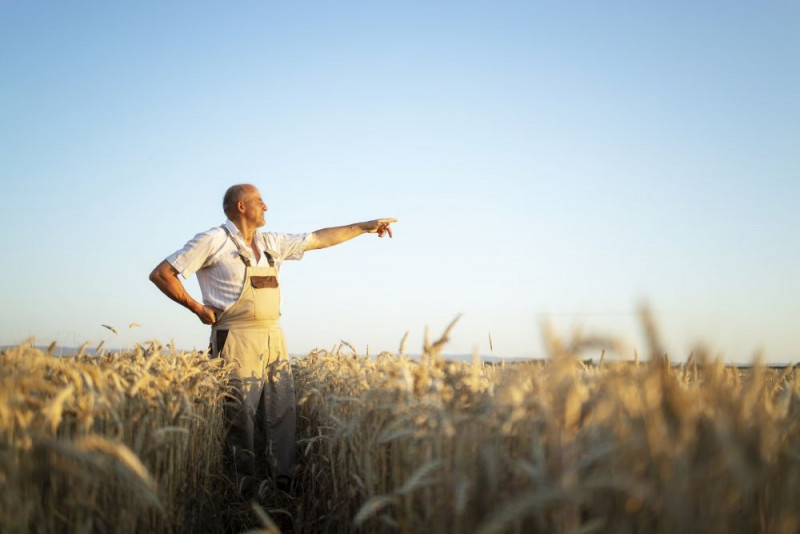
{"points": [[208, 239], [279, 238], [286, 246], [272, 236], [281, 235], [215, 232]]}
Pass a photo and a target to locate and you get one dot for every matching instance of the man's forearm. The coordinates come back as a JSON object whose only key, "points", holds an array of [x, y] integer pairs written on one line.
{"points": [[165, 277], [328, 237]]}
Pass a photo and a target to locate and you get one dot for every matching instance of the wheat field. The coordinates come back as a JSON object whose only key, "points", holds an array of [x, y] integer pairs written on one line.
{"points": [[132, 442], [110, 443]]}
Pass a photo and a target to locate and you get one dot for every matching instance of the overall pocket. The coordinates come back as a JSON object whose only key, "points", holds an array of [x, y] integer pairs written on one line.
{"points": [[266, 297]]}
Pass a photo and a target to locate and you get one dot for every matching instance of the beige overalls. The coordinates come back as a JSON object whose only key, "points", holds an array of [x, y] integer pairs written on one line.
{"points": [[261, 427]]}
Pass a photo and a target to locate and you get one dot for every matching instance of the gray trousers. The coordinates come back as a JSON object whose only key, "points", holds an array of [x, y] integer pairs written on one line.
{"points": [[260, 414]]}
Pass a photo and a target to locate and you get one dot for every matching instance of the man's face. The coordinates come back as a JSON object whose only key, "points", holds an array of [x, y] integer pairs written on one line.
{"points": [[254, 208]]}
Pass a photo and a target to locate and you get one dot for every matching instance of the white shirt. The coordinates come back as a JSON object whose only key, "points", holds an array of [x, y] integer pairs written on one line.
{"points": [[220, 270]]}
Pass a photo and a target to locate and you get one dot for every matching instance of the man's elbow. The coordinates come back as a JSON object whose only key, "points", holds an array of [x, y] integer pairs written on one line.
{"points": [[156, 279], [157, 274]]}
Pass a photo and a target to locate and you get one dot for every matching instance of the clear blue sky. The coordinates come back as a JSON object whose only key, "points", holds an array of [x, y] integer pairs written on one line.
{"points": [[561, 160]]}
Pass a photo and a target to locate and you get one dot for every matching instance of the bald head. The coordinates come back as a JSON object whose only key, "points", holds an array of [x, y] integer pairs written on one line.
{"points": [[234, 195]]}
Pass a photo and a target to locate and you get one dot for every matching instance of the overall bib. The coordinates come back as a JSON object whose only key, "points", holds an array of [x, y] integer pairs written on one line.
{"points": [[261, 421]]}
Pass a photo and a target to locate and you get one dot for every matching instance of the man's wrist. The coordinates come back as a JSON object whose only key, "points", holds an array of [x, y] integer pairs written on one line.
{"points": [[195, 306]]}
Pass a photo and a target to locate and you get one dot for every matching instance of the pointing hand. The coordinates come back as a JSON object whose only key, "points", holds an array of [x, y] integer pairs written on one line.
{"points": [[380, 226]]}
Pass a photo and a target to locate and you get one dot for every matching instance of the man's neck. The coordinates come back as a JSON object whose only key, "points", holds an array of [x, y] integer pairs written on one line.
{"points": [[246, 230], [248, 234]]}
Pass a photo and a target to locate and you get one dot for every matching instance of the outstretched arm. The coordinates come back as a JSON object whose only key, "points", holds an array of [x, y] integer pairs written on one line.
{"points": [[328, 237], [165, 277]]}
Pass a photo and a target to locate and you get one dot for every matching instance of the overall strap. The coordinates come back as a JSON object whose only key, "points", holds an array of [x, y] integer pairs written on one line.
{"points": [[242, 255]]}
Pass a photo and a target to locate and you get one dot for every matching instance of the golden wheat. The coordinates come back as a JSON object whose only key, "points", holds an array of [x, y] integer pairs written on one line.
{"points": [[392, 444], [125, 442], [132, 442]]}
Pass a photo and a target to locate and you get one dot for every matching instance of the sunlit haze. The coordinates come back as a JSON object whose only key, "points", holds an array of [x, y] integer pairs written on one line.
{"points": [[549, 162]]}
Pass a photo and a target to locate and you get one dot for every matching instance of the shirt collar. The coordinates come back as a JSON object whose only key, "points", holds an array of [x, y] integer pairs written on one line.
{"points": [[235, 231], [232, 228]]}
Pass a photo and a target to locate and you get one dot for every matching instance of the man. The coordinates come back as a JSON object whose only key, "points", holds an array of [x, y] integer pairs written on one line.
{"points": [[237, 268]]}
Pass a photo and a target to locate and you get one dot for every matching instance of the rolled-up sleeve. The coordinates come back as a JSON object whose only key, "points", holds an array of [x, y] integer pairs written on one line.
{"points": [[287, 246], [195, 253]]}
